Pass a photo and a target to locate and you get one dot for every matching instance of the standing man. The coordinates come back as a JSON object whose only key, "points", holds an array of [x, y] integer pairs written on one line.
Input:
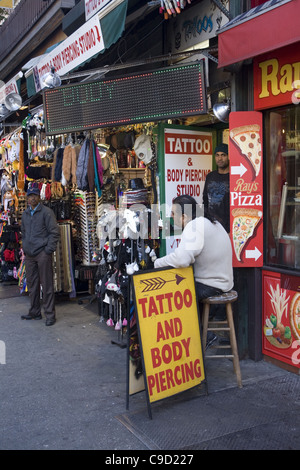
{"points": [[216, 203], [40, 234], [216, 188]]}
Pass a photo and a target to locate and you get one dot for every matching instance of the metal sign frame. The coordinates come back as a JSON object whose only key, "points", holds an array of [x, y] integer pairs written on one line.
{"points": [[169, 332]]}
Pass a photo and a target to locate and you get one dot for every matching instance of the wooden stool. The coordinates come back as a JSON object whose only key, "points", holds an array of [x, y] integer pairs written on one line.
{"points": [[228, 325]]}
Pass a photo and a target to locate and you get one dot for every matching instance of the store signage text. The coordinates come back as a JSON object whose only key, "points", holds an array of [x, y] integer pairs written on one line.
{"points": [[114, 102], [82, 95], [72, 51], [188, 157], [9, 87], [195, 25], [187, 145], [242, 194], [277, 78], [82, 45], [186, 175], [166, 307]]}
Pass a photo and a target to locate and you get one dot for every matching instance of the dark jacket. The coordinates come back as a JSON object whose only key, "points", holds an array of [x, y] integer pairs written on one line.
{"points": [[39, 231], [82, 165], [216, 197]]}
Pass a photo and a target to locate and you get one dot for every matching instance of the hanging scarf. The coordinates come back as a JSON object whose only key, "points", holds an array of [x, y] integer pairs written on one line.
{"points": [[91, 168], [21, 178], [97, 179]]}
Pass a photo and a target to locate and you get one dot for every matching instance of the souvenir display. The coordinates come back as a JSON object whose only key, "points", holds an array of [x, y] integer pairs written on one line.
{"points": [[93, 183]]}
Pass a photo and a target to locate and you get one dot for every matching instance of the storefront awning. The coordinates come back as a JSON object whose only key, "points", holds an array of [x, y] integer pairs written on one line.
{"points": [[35, 60], [267, 27]]}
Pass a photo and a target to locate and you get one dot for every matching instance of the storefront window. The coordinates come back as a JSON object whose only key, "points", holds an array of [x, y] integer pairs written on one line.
{"points": [[283, 187]]}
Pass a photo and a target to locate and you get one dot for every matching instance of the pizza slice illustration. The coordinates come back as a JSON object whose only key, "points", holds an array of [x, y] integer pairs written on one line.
{"points": [[244, 222], [248, 140]]}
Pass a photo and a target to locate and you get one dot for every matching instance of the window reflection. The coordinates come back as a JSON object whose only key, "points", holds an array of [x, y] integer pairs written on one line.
{"points": [[283, 187]]}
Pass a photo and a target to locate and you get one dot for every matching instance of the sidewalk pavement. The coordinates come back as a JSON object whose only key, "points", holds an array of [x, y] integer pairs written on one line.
{"points": [[64, 388]]}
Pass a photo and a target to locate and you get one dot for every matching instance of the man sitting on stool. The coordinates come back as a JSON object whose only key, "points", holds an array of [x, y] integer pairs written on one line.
{"points": [[204, 244]]}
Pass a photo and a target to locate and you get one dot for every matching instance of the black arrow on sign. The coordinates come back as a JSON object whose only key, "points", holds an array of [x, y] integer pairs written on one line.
{"points": [[157, 283]]}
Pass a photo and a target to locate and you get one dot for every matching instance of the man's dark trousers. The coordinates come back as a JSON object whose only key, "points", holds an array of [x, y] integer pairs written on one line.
{"points": [[39, 272]]}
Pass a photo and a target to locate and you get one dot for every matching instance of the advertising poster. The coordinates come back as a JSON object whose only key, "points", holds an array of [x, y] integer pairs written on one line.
{"points": [[188, 159], [281, 317], [169, 333], [246, 188]]}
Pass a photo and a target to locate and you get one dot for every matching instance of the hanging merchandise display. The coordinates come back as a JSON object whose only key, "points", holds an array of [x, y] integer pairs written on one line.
{"points": [[10, 250], [115, 188], [125, 231], [92, 181], [170, 7], [87, 203]]}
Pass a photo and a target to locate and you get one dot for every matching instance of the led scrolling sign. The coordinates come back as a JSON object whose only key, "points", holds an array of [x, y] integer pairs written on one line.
{"points": [[159, 94]]}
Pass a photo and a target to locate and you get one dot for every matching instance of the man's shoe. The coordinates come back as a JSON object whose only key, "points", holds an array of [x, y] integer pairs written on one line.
{"points": [[50, 322], [31, 317]]}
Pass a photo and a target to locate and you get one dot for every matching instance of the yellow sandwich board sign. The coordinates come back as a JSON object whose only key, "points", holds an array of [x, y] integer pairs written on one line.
{"points": [[168, 325]]}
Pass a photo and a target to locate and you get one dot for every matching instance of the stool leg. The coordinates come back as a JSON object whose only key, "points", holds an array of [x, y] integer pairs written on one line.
{"points": [[236, 362], [205, 316]]}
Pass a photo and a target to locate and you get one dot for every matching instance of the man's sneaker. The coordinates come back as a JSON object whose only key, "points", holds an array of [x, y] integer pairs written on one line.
{"points": [[211, 339]]}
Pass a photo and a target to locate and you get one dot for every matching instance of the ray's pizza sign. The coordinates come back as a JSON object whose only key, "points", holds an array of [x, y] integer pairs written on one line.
{"points": [[246, 188], [277, 78]]}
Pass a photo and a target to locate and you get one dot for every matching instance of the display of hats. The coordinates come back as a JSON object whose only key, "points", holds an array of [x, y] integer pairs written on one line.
{"points": [[120, 139], [113, 143], [143, 148], [33, 190], [139, 196], [129, 140]]}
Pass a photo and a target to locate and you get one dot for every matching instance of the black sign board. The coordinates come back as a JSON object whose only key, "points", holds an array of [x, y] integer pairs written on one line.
{"points": [[150, 96]]}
